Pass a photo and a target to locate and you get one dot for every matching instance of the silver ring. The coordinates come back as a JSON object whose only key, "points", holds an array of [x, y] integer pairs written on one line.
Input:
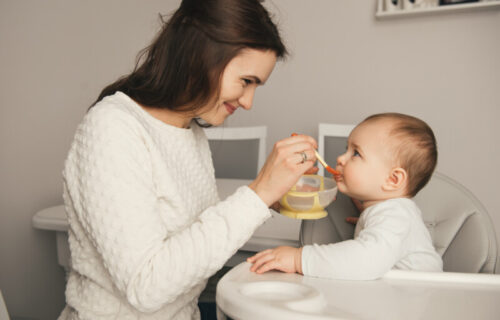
{"points": [[304, 156]]}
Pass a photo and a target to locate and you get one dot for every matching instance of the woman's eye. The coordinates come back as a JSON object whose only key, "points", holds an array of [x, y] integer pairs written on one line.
{"points": [[247, 81]]}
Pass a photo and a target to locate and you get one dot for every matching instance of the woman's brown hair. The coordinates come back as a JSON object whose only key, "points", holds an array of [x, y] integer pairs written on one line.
{"points": [[182, 68]]}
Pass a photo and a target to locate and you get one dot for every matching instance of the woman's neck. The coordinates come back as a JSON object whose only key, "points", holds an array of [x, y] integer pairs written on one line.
{"points": [[170, 117]]}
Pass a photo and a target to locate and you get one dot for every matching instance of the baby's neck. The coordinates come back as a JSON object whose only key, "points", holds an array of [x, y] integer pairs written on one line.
{"points": [[369, 203]]}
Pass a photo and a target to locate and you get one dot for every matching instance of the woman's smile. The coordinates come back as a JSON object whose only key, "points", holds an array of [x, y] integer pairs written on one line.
{"points": [[230, 108]]}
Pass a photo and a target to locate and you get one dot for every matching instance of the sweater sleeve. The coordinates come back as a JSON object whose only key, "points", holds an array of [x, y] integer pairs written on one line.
{"points": [[369, 256], [108, 177]]}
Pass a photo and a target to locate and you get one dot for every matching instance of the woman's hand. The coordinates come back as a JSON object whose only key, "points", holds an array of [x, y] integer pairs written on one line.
{"points": [[277, 205], [284, 166], [286, 259]]}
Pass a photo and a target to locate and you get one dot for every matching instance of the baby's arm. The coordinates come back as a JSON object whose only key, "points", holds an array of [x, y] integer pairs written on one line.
{"points": [[286, 259], [376, 249]]}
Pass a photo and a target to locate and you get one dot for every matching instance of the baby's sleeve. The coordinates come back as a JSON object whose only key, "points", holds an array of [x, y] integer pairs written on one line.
{"points": [[370, 255]]}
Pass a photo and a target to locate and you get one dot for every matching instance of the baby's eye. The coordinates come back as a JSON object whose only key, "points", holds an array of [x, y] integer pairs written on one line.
{"points": [[356, 154]]}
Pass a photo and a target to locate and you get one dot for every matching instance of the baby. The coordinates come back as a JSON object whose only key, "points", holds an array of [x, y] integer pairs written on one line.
{"points": [[389, 158]]}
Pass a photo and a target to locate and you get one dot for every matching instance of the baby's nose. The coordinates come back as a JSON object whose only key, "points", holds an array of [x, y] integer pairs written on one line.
{"points": [[341, 160]]}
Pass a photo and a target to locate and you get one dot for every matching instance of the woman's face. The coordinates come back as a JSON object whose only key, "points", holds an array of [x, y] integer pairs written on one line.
{"points": [[249, 69]]}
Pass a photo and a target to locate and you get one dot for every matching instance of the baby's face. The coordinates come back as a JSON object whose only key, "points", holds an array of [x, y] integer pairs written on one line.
{"points": [[367, 162]]}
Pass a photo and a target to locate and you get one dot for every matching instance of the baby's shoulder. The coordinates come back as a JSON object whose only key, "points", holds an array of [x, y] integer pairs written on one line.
{"points": [[399, 207]]}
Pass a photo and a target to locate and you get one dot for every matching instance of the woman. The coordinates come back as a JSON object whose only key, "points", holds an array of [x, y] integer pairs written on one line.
{"points": [[147, 228]]}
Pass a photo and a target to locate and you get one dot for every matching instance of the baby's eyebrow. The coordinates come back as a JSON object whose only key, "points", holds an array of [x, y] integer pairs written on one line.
{"points": [[355, 146]]}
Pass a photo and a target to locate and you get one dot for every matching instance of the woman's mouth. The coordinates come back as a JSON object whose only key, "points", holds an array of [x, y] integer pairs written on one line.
{"points": [[230, 108]]}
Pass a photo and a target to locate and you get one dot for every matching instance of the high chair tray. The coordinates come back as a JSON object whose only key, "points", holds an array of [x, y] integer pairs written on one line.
{"points": [[244, 295]]}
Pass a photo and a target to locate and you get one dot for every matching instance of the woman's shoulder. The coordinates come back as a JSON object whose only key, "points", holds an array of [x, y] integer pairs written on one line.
{"points": [[112, 113], [110, 131]]}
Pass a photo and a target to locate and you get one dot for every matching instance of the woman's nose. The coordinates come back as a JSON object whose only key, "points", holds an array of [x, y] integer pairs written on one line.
{"points": [[246, 99]]}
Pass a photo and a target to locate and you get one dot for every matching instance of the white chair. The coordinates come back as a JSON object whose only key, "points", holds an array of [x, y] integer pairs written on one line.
{"points": [[460, 227], [4, 315], [332, 141], [238, 152]]}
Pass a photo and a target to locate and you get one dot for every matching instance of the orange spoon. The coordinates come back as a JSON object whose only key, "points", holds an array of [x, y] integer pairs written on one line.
{"points": [[320, 159]]}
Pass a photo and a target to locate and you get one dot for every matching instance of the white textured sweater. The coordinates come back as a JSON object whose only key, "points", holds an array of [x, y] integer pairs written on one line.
{"points": [[388, 235], [147, 227]]}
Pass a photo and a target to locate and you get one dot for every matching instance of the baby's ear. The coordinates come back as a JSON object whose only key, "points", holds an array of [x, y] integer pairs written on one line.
{"points": [[397, 180]]}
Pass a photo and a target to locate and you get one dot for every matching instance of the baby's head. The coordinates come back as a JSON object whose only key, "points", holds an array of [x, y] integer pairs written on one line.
{"points": [[389, 155]]}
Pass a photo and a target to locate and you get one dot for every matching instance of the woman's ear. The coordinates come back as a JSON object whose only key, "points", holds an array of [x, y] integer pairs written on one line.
{"points": [[396, 181]]}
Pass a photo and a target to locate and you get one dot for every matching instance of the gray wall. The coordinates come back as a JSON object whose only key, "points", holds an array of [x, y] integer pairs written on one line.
{"points": [[56, 55]]}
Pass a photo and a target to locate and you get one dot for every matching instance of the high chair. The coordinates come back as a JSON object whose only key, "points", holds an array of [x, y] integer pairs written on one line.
{"points": [[460, 227]]}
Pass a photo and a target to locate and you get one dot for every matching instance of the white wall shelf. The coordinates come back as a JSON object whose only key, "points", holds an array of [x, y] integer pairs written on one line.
{"points": [[482, 5]]}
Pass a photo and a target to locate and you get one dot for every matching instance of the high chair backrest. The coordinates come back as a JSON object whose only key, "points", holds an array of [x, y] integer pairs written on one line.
{"points": [[460, 227], [237, 152]]}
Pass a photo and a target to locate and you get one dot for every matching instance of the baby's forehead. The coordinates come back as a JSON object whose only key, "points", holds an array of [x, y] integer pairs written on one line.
{"points": [[376, 127], [378, 136]]}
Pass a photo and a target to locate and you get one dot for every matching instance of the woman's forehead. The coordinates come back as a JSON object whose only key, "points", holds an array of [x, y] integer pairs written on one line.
{"points": [[253, 62]]}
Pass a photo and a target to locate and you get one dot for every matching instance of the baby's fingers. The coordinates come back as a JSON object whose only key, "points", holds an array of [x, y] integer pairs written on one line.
{"points": [[261, 261], [270, 265], [259, 254], [352, 220]]}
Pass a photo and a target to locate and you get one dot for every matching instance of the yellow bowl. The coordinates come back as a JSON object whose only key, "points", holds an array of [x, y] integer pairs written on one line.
{"points": [[309, 197]]}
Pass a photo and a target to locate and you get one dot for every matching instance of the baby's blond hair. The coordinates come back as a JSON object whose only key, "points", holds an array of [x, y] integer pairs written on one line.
{"points": [[415, 148]]}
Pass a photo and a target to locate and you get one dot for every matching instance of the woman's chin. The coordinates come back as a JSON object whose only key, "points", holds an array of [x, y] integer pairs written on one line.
{"points": [[214, 122]]}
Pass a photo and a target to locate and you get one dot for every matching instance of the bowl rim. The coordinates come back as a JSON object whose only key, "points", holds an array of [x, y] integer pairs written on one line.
{"points": [[311, 193]]}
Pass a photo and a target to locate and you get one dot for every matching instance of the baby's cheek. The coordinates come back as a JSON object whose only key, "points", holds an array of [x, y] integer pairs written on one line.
{"points": [[353, 181]]}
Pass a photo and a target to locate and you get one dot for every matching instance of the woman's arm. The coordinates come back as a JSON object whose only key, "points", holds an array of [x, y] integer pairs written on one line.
{"points": [[151, 261]]}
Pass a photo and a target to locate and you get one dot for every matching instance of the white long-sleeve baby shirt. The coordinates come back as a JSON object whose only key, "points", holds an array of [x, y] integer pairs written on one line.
{"points": [[146, 224], [389, 235]]}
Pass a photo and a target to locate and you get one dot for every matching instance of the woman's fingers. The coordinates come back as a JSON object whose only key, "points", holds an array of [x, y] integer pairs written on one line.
{"points": [[313, 170], [290, 158], [297, 149], [304, 156], [299, 138]]}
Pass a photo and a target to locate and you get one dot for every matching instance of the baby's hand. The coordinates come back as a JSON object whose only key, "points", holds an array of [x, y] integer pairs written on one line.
{"points": [[286, 259], [352, 220]]}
